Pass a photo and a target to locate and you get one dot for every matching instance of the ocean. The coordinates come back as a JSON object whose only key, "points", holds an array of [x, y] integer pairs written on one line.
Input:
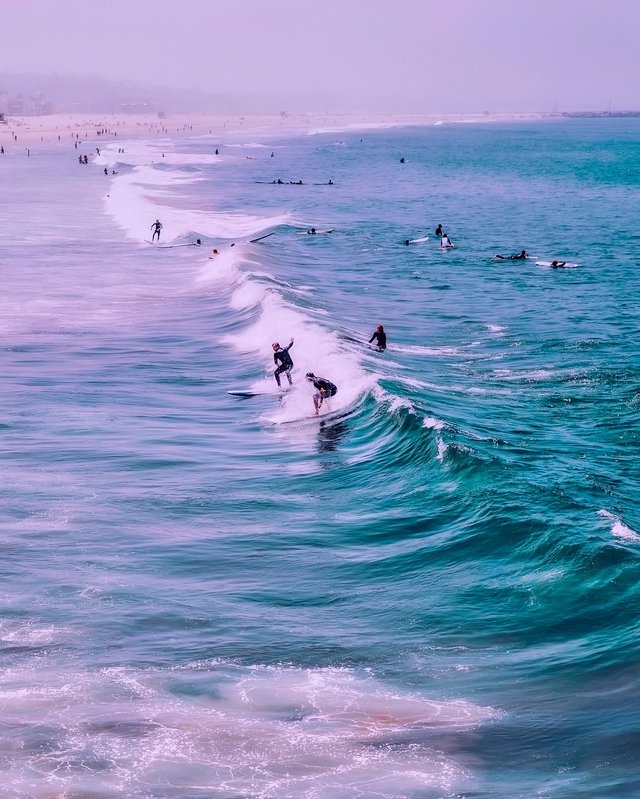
{"points": [[427, 591]]}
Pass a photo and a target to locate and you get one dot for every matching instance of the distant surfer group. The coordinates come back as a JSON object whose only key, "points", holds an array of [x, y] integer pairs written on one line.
{"points": [[523, 255], [323, 388]]}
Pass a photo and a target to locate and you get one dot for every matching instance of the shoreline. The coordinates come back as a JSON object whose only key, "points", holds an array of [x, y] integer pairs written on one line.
{"points": [[61, 128]]}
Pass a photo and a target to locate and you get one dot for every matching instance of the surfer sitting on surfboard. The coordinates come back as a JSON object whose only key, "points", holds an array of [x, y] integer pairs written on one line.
{"points": [[281, 354], [380, 336], [445, 242], [325, 388]]}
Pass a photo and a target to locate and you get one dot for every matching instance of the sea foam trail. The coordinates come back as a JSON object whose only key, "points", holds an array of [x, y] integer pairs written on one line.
{"points": [[263, 731], [147, 192]]}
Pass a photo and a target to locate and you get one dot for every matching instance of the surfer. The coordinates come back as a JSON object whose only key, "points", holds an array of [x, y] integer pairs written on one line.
{"points": [[325, 388], [156, 227], [281, 354], [402, 160], [558, 264], [445, 242], [438, 231], [522, 256], [380, 336], [312, 231]]}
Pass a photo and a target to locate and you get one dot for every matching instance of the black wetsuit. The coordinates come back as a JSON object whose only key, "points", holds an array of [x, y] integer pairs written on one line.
{"points": [[381, 338], [325, 387], [286, 364]]}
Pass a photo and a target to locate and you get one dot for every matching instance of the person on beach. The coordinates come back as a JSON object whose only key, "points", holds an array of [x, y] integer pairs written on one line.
{"points": [[380, 336], [522, 256], [283, 361], [445, 242], [438, 231], [324, 388], [156, 227]]}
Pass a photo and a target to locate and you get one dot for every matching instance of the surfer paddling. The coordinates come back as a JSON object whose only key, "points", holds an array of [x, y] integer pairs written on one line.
{"points": [[521, 256]]}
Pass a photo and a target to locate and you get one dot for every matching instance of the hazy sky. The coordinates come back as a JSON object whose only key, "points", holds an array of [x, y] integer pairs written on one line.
{"points": [[451, 55]]}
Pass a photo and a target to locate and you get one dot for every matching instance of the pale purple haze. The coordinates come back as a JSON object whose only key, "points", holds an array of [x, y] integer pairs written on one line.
{"points": [[423, 55]]}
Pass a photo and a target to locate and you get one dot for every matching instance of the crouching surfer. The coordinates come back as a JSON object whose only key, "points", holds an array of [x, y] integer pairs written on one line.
{"points": [[324, 388]]}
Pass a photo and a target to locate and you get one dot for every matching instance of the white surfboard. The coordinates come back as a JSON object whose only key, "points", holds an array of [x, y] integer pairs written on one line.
{"points": [[172, 246], [561, 264], [417, 241]]}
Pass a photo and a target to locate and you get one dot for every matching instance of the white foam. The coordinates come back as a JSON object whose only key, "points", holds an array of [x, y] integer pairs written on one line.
{"points": [[442, 448], [618, 528], [432, 423], [138, 197], [261, 731]]}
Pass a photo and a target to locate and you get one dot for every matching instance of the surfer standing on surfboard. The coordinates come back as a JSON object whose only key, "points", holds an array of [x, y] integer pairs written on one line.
{"points": [[156, 227], [281, 354], [324, 388]]}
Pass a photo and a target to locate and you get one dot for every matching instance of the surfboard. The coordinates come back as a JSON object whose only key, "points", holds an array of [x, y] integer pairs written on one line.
{"points": [[447, 246], [565, 265], [249, 393], [309, 233], [171, 246], [416, 241], [266, 236]]}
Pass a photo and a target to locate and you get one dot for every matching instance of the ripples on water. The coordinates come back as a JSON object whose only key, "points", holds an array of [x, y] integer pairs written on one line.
{"points": [[430, 590]]}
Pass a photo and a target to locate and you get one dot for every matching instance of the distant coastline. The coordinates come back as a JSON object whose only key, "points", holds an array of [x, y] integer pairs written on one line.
{"points": [[60, 128]]}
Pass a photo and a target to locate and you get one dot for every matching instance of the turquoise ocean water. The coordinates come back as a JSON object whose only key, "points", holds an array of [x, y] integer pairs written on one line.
{"points": [[428, 591]]}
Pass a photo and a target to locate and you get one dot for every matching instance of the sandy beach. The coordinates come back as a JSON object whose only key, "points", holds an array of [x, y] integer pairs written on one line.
{"points": [[19, 132]]}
